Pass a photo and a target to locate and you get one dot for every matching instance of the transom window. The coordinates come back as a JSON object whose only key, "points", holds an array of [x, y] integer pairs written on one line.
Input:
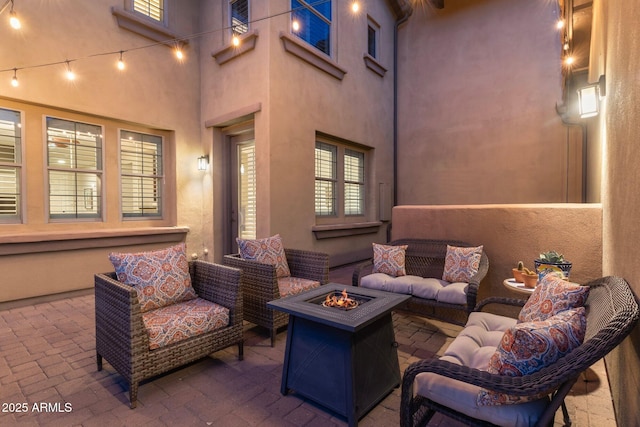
{"points": [[74, 160], [10, 165], [239, 16], [311, 21], [154, 9], [339, 180], [141, 174]]}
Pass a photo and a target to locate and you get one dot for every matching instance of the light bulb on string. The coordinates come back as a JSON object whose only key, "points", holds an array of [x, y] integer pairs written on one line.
{"points": [[120, 63], [355, 7], [13, 18], [14, 80], [295, 25], [569, 60], [235, 40], [70, 74], [560, 24]]}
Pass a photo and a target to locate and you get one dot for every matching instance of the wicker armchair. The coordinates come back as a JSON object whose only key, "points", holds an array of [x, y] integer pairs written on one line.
{"points": [[612, 312], [260, 284], [425, 258], [123, 341]]}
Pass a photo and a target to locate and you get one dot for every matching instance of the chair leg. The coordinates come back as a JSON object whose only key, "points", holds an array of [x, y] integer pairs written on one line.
{"points": [[565, 415], [273, 337], [241, 350], [133, 395], [99, 361]]}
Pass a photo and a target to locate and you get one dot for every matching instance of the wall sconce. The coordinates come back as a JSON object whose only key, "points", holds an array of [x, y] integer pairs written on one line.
{"points": [[589, 98], [203, 162]]}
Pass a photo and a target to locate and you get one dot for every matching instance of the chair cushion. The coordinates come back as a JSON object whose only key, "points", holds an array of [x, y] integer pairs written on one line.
{"points": [[528, 347], [389, 259], [178, 322], [419, 287], [474, 347], [551, 296], [269, 250], [161, 278], [460, 264], [295, 285]]}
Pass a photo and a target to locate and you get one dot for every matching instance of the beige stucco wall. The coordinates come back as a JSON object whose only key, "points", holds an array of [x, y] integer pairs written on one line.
{"points": [[479, 81], [621, 200], [512, 233]]}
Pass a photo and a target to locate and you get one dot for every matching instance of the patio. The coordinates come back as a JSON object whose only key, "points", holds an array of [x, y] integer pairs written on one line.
{"points": [[48, 357]]}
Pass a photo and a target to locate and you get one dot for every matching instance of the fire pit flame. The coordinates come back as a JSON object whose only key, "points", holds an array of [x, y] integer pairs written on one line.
{"points": [[342, 301]]}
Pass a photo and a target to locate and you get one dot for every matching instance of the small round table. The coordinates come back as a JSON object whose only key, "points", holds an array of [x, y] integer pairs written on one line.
{"points": [[517, 286]]}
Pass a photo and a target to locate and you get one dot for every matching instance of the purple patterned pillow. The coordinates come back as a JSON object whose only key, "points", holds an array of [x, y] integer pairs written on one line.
{"points": [[266, 251], [551, 296], [389, 259], [528, 347], [161, 278], [460, 264]]}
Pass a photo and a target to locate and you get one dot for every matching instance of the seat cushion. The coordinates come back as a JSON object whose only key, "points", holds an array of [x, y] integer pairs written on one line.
{"points": [[161, 278], [295, 285], [461, 263], [419, 287], [552, 296], [178, 322], [474, 347], [384, 282], [269, 250], [389, 259]]}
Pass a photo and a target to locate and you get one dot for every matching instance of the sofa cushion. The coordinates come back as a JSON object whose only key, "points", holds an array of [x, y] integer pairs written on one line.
{"points": [[461, 263], [384, 282], [551, 296], [269, 250], [473, 347], [530, 346], [178, 322], [295, 285], [389, 259], [419, 287], [160, 278]]}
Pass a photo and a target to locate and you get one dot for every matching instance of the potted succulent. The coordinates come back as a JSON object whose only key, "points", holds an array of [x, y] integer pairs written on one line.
{"points": [[517, 272], [530, 278], [553, 261]]}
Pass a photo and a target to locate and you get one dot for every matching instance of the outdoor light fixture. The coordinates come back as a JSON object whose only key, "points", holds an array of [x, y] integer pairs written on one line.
{"points": [[203, 162], [589, 98]]}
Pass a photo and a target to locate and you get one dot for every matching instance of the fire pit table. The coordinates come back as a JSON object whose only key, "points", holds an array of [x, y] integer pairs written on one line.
{"points": [[344, 359]]}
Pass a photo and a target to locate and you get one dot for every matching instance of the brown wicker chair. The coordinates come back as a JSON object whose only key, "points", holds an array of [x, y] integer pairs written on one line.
{"points": [[260, 284], [612, 312], [122, 340], [425, 258]]}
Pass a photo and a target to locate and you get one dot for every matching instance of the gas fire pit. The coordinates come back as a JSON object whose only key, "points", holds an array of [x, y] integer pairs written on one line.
{"points": [[353, 340]]}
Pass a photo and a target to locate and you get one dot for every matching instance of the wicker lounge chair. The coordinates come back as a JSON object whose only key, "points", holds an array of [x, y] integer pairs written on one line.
{"points": [[425, 258], [260, 284], [612, 312], [121, 337]]}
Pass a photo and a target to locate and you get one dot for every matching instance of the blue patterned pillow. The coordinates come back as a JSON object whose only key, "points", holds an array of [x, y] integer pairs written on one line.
{"points": [[389, 259], [460, 264]]}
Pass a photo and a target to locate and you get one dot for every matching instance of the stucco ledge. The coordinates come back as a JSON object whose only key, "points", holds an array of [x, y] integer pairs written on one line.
{"points": [[344, 230]]}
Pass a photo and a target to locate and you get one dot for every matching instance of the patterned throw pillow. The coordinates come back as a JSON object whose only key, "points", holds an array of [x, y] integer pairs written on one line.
{"points": [[389, 259], [266, 251], [161, 278], [528, 347], [551, 296], [460, 264]]}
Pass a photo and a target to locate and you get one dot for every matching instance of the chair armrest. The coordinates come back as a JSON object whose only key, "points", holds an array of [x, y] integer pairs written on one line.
{"points": [[219, 284], [118, 318], [359, 269], [308, 265], [515, 302], [257, 279], [474, 281]]}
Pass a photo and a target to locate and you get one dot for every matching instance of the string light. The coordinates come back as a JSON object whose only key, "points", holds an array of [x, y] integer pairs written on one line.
{"points": [[560, 24], [295, 25], [569, 60], [355, 7], [179, 53], [235, 40], [120, 63], [13, 18], [14, 80], [70, 74]]}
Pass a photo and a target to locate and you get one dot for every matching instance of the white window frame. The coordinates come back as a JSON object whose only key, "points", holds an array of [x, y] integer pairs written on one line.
{"points": [[308, 6], [243, 27], [16, 165], [145, 211], [85, 199], [135, 7], [337, 180]]}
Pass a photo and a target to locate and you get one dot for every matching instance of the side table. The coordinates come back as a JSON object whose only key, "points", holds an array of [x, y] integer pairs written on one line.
{"points": [[517, 287]]}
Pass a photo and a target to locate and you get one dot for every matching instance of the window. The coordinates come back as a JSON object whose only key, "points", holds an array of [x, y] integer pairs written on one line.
{"points": [[239, 16], [141, 174], [313, 21], [339, 180], [74, 160], [10, 164], [154, 9], [373, 30]]}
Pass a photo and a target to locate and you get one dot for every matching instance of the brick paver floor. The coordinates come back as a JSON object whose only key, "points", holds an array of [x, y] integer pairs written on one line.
{"points": [[48, 377]]}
